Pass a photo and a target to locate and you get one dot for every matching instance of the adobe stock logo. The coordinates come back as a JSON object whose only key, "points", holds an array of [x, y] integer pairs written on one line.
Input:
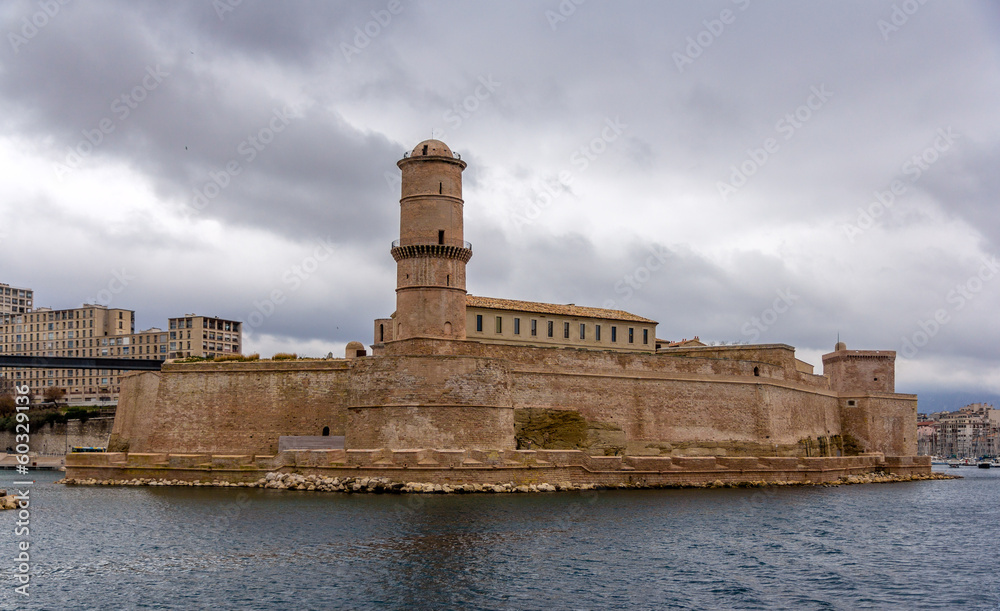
{"points": [[755, 326], [958, 298]]}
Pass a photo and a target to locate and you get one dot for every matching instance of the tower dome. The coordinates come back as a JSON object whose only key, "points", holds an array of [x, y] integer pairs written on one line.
{"points": [[431, 148]]}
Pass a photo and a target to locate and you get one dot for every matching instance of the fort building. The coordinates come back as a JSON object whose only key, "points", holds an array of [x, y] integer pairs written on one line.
{"points": [[467, 388]]}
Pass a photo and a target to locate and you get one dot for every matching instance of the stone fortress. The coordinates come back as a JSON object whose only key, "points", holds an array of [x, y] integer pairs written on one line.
{"points": [[462, 389]]}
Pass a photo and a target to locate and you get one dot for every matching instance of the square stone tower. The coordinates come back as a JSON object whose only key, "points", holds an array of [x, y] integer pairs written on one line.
{"points": [[856, 371]]}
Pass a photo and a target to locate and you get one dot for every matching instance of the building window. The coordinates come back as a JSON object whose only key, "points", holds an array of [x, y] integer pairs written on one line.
{"points": [[614, 333], [565, 330], [597, 332], [534, 327], [551, 324], [631, 335], [499, 325], [645, 336], [479, 323], [441, 236], [583, 331], [517, 326]]}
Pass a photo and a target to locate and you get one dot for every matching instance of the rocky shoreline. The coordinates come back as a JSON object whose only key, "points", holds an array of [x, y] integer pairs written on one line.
{"points": [[7, 501], [377, 485]]}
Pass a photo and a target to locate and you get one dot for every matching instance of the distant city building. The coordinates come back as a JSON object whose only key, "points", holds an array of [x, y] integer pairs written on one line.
{"points": [[194, 335], [98, 331], [970, 432], [15, 300]]}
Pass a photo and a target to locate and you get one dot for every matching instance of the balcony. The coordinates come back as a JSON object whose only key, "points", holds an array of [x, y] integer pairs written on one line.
{"points": [[442, 251]]}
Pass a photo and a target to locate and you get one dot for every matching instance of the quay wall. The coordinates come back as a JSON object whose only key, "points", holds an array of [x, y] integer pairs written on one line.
{"points": [[56, 438], [487, 467]]}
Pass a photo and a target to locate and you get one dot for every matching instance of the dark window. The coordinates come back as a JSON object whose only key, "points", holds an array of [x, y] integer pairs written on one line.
{"points": [[326, 431], [566, 330], [614, 333], [381, 333], [534, 327], [479, 323], [447, 280], [441, 236], [517, 326], [645, 336], [499, 324], [597, 332], [550, 328], [756, 371], [583, 331], [631, 335]]}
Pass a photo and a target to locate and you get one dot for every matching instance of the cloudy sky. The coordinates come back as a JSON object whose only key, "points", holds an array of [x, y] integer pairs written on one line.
{"points": [[738, 170]]}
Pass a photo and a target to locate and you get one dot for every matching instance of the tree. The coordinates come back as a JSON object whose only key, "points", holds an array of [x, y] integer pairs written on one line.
{"points": [[54, 394]]}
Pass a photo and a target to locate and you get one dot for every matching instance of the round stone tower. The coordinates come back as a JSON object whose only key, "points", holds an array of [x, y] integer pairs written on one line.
{"points": [[431, 251]]}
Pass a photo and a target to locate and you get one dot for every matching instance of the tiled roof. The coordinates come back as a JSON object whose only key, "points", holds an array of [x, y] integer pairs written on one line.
{"points": [[493, 303]]}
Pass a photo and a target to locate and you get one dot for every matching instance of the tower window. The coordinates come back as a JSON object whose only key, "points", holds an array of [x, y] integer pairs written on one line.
{"points": [[756, 371], [440, 187], [447, 280], [425, 149], [441, 236], [479, 323]]}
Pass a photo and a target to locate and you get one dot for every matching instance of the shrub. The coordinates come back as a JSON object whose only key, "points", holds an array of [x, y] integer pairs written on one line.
{"points": [[252, 357], [228, 357], [284, 356]]}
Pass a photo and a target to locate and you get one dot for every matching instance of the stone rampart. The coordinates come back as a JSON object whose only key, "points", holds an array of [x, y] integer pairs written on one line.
{"points": [[230, 407], [464, 394]]}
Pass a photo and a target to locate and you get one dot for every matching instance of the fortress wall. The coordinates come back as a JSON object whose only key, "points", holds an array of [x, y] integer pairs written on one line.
{"points": [[691, 413], [136, 415], [442, 402], [230, 407], [774, 361], [642, 404], [882, 422]]}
